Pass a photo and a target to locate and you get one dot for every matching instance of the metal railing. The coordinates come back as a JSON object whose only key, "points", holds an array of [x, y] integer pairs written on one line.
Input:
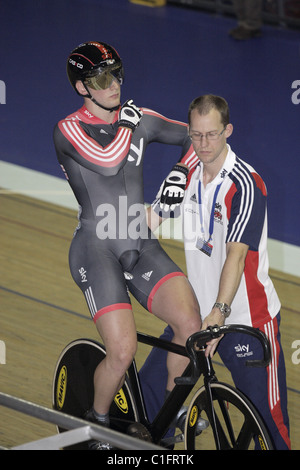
{"points": [[78, 430]]}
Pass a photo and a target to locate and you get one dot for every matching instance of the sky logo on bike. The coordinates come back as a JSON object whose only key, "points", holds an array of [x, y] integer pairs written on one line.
{"points": [[121, 402], [61, 387]]}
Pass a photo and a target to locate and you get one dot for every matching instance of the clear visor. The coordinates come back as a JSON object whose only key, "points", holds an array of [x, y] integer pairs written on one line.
{"points": [[104, 79]]}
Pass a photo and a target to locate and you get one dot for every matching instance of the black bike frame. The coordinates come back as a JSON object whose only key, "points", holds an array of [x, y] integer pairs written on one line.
{"points": [[199, 365], [173, 403]]}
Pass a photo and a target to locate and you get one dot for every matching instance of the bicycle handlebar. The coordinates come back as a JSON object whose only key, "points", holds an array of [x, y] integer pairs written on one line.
{"points": [[199, 340]]}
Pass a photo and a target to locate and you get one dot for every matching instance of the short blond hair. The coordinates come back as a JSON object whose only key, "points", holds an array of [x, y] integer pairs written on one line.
{"points": [[203, 105]]}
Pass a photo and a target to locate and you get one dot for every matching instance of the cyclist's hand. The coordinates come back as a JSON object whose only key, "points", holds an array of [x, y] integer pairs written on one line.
{"points": [[173, 188], [130, 115]]}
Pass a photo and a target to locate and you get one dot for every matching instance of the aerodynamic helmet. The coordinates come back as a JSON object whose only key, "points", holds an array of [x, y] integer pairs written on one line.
{"points": [[95, 64]]}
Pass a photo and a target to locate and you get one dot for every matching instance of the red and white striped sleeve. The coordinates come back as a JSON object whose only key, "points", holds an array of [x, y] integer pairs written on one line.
{"points": [[109, 156], [190, 159]]}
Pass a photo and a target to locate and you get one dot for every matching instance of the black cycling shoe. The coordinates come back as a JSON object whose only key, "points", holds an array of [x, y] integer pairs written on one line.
{"points": [[93, 444]]}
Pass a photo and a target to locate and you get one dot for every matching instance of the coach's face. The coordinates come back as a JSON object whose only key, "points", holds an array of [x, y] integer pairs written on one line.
{"points": [[208, 135]]}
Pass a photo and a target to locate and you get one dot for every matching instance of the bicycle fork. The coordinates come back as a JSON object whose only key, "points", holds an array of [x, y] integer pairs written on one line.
{"points": [[211, 411], [209, 377]]}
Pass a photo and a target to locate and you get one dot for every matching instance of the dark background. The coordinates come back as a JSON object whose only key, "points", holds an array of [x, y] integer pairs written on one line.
{"points": [[171, 55]]}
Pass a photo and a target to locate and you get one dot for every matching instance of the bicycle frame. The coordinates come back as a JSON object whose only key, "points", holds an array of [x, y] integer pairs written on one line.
{"points": [[199, 365], [180, 392], [171, 406]]}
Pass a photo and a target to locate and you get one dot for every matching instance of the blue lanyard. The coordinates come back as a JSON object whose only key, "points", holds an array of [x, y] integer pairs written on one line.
{"points": [[212, 214]]}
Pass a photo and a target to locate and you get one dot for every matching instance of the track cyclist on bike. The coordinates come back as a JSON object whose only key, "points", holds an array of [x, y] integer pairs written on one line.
{"points": [[101, 148]]}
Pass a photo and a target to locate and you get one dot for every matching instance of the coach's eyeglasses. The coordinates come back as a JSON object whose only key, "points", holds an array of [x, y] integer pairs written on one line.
{"points": [[196, 136]]}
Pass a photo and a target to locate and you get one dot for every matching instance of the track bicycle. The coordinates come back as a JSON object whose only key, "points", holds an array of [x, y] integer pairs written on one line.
{"points": [[234, 422]]}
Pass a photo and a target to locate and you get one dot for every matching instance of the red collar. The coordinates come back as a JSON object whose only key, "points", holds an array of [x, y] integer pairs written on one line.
{"points": [[86, 116]]}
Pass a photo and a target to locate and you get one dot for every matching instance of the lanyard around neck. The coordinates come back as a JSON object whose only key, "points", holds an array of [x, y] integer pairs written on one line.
{"points": [[212, 213]]}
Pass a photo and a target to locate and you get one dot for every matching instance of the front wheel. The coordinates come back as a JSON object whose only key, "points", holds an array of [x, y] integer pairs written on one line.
{"points": [[237, 422]]}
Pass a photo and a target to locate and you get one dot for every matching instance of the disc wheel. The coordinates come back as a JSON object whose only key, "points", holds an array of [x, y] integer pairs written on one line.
{"points": [[73, 385]]}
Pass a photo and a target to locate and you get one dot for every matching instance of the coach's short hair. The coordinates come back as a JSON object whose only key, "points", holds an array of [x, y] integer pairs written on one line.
{"points": [[203, 104]]}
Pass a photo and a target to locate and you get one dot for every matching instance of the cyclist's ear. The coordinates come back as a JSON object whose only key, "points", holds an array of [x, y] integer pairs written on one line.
{"points": [[81, 88]]}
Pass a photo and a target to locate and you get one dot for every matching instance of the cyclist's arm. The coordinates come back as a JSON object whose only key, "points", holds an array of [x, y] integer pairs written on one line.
{"points": [[169, 131]]}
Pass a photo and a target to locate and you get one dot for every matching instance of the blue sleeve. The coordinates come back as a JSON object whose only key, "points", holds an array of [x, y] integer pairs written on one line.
{"points": [[248, 209]]}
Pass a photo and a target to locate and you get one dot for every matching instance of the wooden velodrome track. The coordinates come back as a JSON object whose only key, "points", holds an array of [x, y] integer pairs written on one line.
{"points": [[42, 310]]}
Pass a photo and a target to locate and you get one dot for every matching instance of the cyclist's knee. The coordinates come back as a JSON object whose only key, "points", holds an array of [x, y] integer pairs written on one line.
{"points": [[194, 324], [118, 331], [188, 315], [121, 357], [185, 324]]}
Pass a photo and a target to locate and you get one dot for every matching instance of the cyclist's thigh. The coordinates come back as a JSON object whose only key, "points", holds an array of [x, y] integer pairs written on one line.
{"points": [[153, 268], [99, 275]]}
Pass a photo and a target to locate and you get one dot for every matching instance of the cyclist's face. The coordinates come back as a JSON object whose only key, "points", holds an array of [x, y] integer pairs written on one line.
{"points": [[208, 150], [109, 97]]}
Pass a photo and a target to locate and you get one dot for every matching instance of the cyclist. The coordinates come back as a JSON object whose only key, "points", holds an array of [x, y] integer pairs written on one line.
{"points": [[225, 238], [101, 148]]}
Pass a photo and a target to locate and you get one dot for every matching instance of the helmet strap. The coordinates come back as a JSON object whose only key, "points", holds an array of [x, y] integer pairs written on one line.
{"points": [[103, 107]]}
